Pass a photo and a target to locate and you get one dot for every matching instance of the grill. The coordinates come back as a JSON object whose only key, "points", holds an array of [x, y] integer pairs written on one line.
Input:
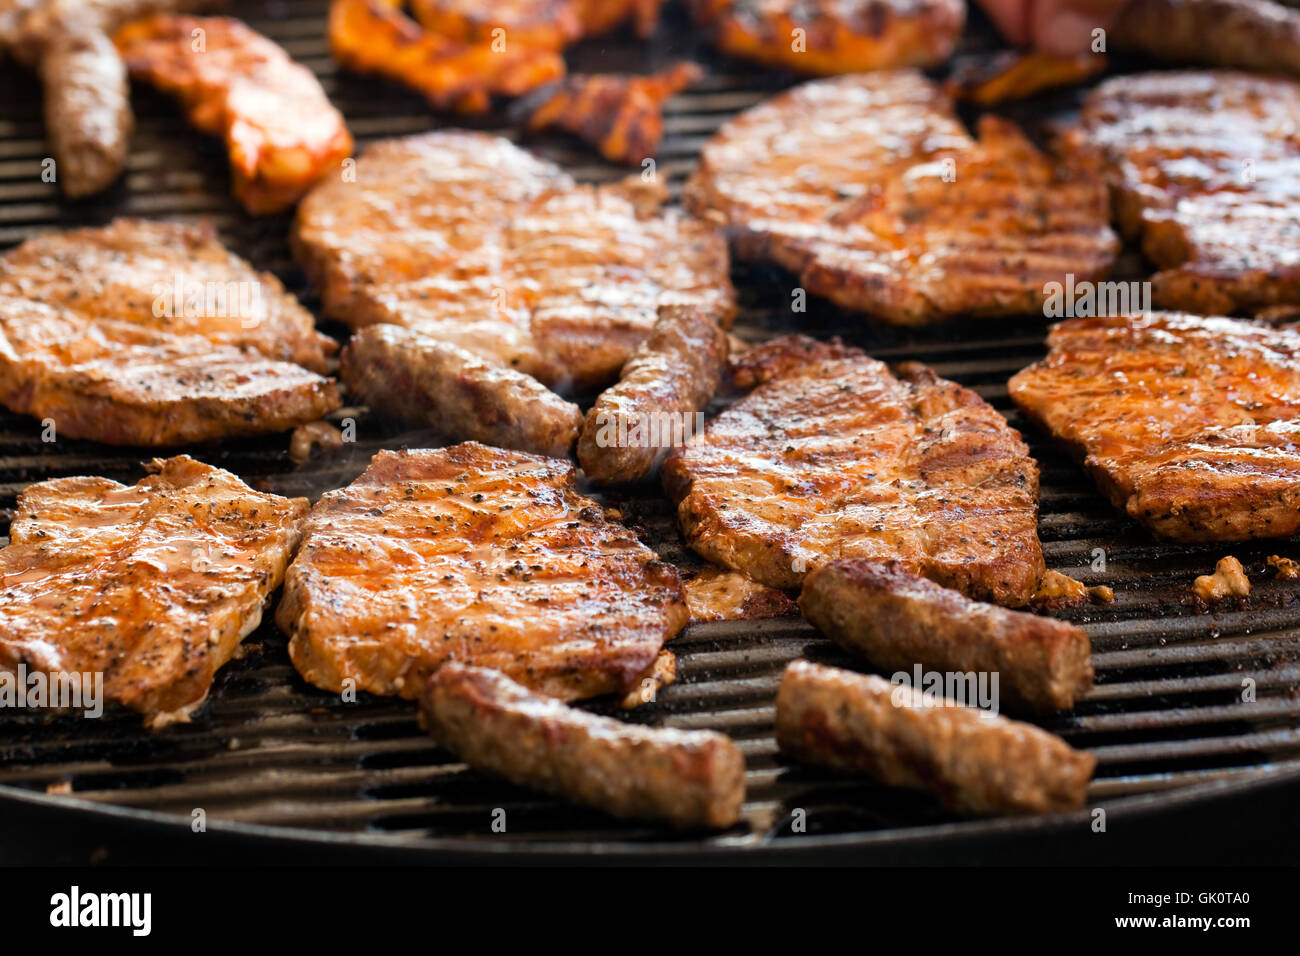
{"points": [[269, 756]]}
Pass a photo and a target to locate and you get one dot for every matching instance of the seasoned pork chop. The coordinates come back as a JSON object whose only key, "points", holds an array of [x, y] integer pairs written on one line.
{"points": [[871, 190], [146, 333], [154, 584], [481, 555], [468, 239], [1205, 171], [832, 456], [541, 24], [1188, 424]]}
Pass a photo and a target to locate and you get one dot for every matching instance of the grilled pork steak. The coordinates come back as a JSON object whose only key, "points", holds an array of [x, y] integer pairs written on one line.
{"points": [[152, 334], [540, 24], [480, 555], [468, 239], [153, 584], [1205, 171], [832, 456], [1188, 424], [869, 188]]}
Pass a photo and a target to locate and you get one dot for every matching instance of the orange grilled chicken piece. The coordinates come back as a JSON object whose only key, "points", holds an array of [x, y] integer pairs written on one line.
{"points": [[281, 131], [1014, 75], [539, 24], [375, 36]]}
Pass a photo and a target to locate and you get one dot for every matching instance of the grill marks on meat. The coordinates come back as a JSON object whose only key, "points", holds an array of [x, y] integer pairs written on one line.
{"points": [[1188, 424], [689, 778], [470, 240], [539, 24], [831, 456], [279, 127], [479, 555], [153, 334], [1205, 170], [410, 376], [871, 190], [839, 36], [154, 584]]}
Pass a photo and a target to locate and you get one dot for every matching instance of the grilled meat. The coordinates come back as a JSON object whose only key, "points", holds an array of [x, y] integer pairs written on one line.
{"points": [[540, 24], [897, 619], [1188, 424], [152, 334], [407, 375], [480, 555], [622, 115], [834, 457], [87, 110], [662, 389], [715, 594], [1203, 169], [871, 190], [280, 129], [468, 239], [1015, 75], [1256, 35], [975, 763], [827, 37], [375, 37], [153, 585], [689, 778]]}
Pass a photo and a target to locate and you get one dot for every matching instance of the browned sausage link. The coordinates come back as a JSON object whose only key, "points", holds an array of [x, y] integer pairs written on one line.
{"points": [[672, 375], [410, 376], [87, 110], [897, 619], [974, 762], [688, 778]]}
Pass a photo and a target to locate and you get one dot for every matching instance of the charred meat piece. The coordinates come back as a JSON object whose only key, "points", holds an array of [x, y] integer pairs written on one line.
{"points": [[974, 762], [869, 188], [689, 778], [835, 457], [1188, 424], [897, 619], [1203, 170], [376, 37], [827, 37], [1014, 75], [660, 395], [621, 115], [468, 239], [152, 585], [403, 374], [715, 594], [480, 555], [540, 24], [152, 334], [280, 129], [1256, 35]]}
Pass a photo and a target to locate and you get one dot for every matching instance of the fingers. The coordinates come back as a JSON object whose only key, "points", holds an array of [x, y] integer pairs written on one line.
{"points": [[1065, 27]]}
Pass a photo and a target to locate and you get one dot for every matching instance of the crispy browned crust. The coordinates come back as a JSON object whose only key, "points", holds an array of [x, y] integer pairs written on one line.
{"points": [[897, 619], [1219, 222], [280, 129], [473, 241], [973, 762], [1188, 424], [87, 110], [838, 36], [374, 36], [716, 594], [539, 24], [1254, 35], [480, 555], [671, 376], [1014, 75], [689, 778], [154, 585], [871, 190], [620, 114], [403, 374], [838, 458]]}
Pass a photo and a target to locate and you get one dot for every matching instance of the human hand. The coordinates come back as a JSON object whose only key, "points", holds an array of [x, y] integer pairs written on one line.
{"points": [[1061, 27]]}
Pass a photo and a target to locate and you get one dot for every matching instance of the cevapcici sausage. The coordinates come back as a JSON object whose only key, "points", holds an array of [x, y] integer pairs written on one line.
{"points": [[974, 762], [87, 110], [408, 375], [897, 619], [672, 375], [689, 778]]}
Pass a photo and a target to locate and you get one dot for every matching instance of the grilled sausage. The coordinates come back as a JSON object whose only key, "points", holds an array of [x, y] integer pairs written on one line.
{"points": [[897, 619], [974, 763], [416, 378], [688, 778], [671, 375], [87, 110]]}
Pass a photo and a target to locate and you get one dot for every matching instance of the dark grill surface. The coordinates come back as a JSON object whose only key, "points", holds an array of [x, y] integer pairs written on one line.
{"points": [[268, 749]]}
